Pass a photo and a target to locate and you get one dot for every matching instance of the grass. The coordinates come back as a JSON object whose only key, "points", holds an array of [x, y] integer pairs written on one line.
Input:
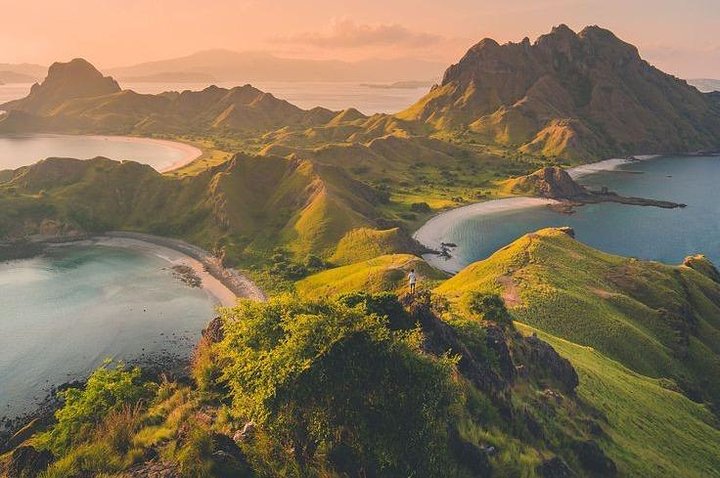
{"points": [[380, 274], [658, 320], [651, 430]]}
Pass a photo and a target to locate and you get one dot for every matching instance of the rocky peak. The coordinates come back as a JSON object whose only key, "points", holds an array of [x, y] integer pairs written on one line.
{"points": [[65, 81], [552, 182]]}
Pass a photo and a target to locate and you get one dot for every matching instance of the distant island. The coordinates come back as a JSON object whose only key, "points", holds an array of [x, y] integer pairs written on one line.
{"points": [[399, 85]]}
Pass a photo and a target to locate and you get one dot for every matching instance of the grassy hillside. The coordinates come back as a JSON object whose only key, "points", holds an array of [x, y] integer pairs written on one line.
{"points": [[651, 430], [352, 386], [380, 274], [659, 320]]}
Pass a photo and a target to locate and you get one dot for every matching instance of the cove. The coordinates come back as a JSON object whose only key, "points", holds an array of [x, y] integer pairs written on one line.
{"points": [[666, 235]]}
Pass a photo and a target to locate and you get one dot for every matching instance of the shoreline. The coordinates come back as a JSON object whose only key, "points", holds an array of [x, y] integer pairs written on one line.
{"points": [[225, 284], [189, 152], [433, 232]]}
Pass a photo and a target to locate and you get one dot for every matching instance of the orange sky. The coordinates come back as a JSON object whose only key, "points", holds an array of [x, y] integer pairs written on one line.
{"points": [[677, 36]]}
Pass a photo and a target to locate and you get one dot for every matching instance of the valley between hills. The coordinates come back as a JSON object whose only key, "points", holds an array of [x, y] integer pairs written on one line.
{"points": [[549, 358]]}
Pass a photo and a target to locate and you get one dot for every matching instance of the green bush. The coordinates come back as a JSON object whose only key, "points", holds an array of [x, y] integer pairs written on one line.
{"points": [[323, 376], [107, 390], [490, 307]]}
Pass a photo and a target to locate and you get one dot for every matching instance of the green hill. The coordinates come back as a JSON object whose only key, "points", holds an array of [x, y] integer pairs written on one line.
{"points": [[380, 274], [243, 208], [658, 320]]}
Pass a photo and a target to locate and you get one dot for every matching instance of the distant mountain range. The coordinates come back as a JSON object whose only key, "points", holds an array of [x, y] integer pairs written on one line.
{"points": [[575, 96], [21, 73], [225, 65]]}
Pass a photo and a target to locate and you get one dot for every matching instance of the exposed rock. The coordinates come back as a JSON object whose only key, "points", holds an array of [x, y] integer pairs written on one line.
{"points": [[23, 434], [551, 182], [247, 432], [554, 468], [543, 360], [27, 462], [227, 453], [472, 456], [567, 230], [214, 333], [154, 469], [593, 459]]}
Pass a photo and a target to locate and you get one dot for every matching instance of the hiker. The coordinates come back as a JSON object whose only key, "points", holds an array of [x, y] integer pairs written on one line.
{"points": [[412, 278]]}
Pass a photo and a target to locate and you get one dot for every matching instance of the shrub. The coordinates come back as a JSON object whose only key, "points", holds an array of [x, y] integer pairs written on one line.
{"points": [[107, 390], [490, 307], [325, 376], [421, 207]]}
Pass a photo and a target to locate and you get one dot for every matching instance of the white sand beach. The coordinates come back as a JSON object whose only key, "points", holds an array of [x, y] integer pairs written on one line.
{"points": [[190, 152], [431, 233], [225, 286]]}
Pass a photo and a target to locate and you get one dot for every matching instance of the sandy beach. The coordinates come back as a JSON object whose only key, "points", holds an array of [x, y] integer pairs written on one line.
{"points": [[224, 285], [578, 172], [435, 231], [190, 152]]}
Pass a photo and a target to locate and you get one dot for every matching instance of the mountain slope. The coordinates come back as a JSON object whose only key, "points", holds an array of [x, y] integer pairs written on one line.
{"points": [[65, 81], [577, 96], [249, 204], [658, 320]]}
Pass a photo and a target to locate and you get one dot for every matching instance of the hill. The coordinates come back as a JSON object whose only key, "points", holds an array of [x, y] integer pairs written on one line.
{"points": [[65, 82], [380, 274], [244, 208], [658, 320], [578, 96], [76, 97]]}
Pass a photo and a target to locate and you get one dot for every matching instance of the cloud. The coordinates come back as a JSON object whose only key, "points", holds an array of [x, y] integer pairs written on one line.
{"points": [[345, 33]]}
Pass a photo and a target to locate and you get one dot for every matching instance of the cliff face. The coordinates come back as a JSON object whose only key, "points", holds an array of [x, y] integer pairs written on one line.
{"points": [[574, 95]]}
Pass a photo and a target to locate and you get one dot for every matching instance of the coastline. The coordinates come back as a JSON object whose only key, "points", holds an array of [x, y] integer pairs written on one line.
{"points": [[225, 284], [190, 153], [432, 233]]}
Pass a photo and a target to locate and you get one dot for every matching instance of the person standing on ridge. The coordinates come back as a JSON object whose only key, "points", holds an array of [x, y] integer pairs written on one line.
{"points": [[412, 279]]}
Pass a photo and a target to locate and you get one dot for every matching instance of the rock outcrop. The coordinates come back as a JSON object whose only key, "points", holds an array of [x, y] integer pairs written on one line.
{"points": [[555, 183], [551, 182]]}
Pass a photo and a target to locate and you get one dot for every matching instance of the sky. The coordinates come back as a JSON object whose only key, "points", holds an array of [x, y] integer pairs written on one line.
{"points": [[678, 36]]}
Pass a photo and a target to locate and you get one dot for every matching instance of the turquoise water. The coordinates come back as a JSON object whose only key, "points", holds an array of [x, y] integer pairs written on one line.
{"points": [[63, 313], [666, 235], [23, 150]]}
